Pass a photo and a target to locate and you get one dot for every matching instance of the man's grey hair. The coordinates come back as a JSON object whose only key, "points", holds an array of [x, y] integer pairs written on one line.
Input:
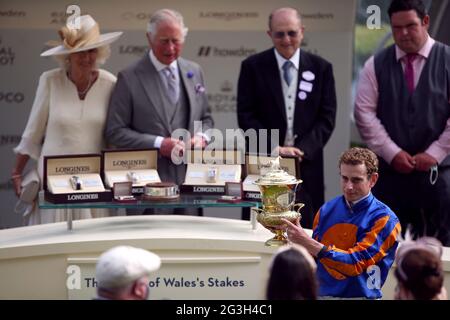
{"points": [[165, 15], [299, 16], [120, 266]]}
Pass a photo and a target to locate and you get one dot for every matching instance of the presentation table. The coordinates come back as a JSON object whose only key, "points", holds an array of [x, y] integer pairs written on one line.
{"points": [[202, 257]]}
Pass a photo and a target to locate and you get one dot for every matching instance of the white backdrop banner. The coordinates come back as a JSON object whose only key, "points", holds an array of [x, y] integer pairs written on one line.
{"points": [[221, 35]]}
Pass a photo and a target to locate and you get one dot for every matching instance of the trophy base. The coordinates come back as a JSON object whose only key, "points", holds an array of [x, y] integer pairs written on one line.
{"points": [[273, 223], [277, 241]]}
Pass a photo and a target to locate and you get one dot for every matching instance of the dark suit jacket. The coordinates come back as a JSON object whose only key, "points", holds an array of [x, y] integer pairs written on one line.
{"points": [[136, 115], [260, 105]]}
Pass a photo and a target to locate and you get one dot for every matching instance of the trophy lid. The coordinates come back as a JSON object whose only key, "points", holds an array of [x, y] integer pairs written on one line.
{"points": [[277, 176]]}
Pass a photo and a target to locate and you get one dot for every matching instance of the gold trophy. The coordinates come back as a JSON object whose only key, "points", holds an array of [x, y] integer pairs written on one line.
{"points": [[278, 199]]}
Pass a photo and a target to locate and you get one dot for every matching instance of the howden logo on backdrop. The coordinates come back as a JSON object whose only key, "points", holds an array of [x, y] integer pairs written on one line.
{"points": [[204, 51], [241, 52], [133, 50], [228, 15]]}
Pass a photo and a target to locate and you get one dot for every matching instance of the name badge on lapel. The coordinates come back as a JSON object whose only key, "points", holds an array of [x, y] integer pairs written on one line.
{"points": [[306, 85], [308, 76]]}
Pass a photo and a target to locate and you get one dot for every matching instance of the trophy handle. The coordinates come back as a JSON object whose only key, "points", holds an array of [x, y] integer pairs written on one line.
{"points": [[300, 206], [292, 204], [257, 210]]}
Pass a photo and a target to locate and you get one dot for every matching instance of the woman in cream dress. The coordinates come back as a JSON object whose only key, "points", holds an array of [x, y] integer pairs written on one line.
{"points": [[69, 111]]}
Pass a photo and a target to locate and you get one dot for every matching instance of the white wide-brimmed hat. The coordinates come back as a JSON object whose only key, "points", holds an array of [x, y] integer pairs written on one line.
{"points": [[86, 37]]}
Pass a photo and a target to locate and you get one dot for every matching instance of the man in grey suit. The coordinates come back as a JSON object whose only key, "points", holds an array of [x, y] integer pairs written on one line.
{"points": [[158, 94]]}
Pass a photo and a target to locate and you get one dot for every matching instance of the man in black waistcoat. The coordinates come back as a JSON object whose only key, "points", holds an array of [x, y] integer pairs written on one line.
{"points": [[402, 110]]}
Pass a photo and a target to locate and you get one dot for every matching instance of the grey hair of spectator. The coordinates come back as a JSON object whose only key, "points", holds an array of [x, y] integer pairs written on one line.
{"points": [[120, 266], [163, 15]]}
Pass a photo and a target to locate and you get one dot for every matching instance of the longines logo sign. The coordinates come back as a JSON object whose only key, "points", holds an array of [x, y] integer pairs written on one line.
{"points": [[318, 16], [135, 15], [134, 50], [12, 13], [7, 55], [241, 52], [228, 15]]}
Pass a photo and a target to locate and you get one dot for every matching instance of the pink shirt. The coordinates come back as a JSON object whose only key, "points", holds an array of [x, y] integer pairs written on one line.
{"points": [[370, 127]]}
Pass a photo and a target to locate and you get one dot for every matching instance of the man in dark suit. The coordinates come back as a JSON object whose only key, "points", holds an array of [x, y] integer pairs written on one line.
{"points": [[158, 94], [293, 91]]}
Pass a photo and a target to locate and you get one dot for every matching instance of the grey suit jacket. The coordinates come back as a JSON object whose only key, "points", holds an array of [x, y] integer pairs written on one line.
{"points": [[136, 117]]}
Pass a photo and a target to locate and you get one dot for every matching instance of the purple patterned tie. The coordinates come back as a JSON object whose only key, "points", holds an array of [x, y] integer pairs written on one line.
{"points": [[409, 71]]}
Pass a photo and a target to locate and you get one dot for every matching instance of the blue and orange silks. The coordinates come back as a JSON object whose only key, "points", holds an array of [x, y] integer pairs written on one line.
{"points": [[360, 247]]}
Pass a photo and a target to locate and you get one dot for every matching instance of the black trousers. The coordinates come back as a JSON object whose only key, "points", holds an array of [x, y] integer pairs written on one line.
{"points": [[421, 206]]}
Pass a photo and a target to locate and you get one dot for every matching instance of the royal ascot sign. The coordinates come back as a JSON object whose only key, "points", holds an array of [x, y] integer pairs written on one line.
{"points": [[7, 54]]}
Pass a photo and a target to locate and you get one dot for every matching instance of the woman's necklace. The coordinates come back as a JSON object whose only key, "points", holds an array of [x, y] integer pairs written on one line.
{"points": [[82, 93]]}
